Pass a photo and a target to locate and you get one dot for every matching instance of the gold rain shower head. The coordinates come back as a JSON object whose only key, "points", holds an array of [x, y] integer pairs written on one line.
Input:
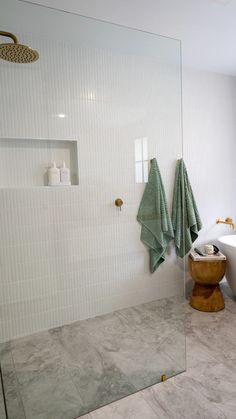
{"points": [[15, 52]]}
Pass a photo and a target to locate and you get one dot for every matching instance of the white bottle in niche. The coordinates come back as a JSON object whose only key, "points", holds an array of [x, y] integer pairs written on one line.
{"points": [[53, 175], [65, 175]]}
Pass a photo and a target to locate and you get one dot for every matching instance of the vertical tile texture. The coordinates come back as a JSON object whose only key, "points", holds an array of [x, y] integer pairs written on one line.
{"points": [[69, 254]]}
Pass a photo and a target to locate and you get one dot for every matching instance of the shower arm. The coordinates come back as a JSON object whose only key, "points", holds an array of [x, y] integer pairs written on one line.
{"points": [[9, 35]]}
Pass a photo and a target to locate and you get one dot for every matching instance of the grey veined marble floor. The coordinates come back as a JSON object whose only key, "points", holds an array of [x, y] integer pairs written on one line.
{"points": [[45, 366], [207, 390], [66, 372]]}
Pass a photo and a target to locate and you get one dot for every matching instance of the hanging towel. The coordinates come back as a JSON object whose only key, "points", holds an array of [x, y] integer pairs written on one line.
{"points": [[185, 217], [153, 215]]}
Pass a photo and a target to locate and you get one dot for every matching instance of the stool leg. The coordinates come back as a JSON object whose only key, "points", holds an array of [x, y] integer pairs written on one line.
{"points": [[207, 298]]}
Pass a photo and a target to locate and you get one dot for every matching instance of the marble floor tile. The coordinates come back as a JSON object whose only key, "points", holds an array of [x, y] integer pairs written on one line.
{"points": [[52, 396], [179, 399], [97, 378], [2, 407], [15, 407], [231, 306], [197, 353], [204, 391], [146, 364], [37, 383], [156, 311], [142, 343], [5, 353], [216, 382], [131, 407], [71, 370], [104, 358], [215, 337], [207, 389], [34, 357], [198, 318], [152, 328]]}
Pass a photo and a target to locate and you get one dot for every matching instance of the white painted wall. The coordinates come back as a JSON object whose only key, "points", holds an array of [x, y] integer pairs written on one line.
{"points": [[209, 101]]}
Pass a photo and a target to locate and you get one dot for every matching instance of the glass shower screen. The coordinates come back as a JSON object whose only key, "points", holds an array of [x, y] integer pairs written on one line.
{"points": [[83, 322]]}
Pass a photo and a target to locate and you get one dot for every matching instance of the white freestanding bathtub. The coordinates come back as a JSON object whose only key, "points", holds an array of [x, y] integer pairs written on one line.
{"points": [[227, 245]]}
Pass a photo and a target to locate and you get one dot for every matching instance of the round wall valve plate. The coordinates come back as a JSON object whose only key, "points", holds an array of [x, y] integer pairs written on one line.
{"points": [[119, 203]]}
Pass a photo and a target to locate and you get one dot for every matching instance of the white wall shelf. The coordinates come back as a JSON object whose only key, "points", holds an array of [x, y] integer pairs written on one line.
{"points": [[24, 161]]}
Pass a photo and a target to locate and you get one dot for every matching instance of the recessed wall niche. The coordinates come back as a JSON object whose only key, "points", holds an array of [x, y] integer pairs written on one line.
{"points": [[24, 161]]}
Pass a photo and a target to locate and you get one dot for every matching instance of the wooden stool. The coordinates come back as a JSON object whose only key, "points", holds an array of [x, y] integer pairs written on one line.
{"points": [[206, 294]]}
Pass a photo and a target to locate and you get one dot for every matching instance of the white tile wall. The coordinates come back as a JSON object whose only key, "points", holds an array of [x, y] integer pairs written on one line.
{"points": [[70, 254]]}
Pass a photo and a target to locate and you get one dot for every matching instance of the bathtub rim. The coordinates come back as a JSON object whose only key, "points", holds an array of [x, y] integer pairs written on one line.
{"points": [[223, 240]]}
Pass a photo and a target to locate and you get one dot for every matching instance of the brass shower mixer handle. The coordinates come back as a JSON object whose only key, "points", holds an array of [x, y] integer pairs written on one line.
{"points": [[119, 203]]}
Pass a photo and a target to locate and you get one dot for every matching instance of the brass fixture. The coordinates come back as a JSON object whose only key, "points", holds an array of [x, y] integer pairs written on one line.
{"points": [[228, 221], [119, 203], [15, 52], [163, 377]]}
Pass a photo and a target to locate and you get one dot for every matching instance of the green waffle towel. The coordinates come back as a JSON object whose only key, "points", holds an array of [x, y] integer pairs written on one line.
{"points": [[185, 217], [153, 215]]}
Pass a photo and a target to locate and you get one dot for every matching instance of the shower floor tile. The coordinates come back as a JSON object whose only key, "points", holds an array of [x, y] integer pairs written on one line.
{"points": [[68, 371], [207, 390], [2, 407]]}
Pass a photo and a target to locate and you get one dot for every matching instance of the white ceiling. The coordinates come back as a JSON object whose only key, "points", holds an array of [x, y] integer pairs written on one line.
{"points": [[207, 28]]}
